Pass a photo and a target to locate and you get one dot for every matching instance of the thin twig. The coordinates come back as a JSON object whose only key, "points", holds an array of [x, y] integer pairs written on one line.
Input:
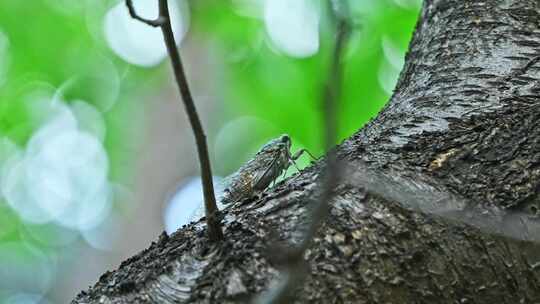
{"points": [[296, 267], [153, 23], [164, 22], [212, 218]]}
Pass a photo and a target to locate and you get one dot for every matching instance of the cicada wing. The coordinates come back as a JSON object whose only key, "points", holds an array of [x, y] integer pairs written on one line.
{"points": [[267, 174], [240, 186], [254, 176]]}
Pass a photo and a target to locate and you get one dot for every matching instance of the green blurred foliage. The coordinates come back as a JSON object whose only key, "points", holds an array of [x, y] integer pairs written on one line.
{"points": [[287, 91], [49, 49], [51, 46]]}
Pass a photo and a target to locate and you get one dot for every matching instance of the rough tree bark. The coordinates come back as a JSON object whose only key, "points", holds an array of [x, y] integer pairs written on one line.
{"points": [[438, 203]]}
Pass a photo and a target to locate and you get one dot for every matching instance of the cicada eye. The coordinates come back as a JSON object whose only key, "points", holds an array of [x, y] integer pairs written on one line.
{"points": [[285, 139]]}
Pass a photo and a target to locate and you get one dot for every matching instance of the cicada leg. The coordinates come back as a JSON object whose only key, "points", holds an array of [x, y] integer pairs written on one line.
{"points": [[297, 155]]}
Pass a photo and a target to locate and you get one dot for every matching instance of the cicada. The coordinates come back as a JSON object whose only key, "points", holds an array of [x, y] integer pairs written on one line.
{"points": [[256, 174], [260, 171]]}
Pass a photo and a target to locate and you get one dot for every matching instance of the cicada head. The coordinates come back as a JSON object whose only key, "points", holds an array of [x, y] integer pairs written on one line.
{"points": [[276, 145]]}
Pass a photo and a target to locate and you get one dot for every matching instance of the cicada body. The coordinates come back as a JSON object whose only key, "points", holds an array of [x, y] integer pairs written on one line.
{"points": [[255, 175], [259, 172]]}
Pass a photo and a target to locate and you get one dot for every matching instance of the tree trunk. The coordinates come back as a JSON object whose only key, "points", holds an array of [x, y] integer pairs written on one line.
{"points": [[438, 204]]}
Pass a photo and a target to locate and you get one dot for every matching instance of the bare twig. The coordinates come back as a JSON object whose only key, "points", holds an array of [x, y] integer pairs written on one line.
{"points": [[296, 267], [164, 22], [153, 23]]}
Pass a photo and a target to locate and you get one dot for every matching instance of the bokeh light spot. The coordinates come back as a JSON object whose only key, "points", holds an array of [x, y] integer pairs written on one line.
{"points": [[68, 172], [136, 42], [293, 26], [62, 176], [28, 268], [89, 119], [186, 204], [14, 190]]}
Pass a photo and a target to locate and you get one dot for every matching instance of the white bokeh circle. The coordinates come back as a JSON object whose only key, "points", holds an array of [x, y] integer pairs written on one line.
{"points": [[62, 175], [136, 42], [293, 26]]}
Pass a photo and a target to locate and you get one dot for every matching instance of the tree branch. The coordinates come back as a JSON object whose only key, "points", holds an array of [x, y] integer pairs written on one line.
{"points": [[164, 22], [401, 228]]}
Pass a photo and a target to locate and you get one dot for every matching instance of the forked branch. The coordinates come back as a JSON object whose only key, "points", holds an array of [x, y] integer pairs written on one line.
{"points": [[153, 23]]}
